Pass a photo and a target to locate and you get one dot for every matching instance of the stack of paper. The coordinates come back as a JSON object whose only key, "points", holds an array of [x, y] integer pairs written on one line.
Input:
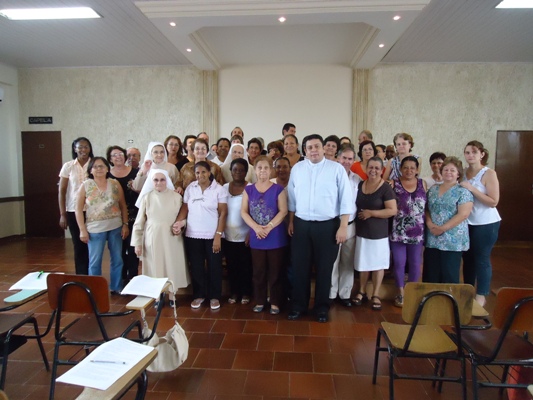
{"points": [[143, 285], [106, 364]]}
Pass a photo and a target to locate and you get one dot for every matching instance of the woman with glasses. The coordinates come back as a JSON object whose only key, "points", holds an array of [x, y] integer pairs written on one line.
{"points": [[106, 220], [124, 174], [71, 176]]}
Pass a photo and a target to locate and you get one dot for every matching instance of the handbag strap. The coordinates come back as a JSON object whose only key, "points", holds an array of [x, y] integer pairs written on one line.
{"points": [[171, 290]]}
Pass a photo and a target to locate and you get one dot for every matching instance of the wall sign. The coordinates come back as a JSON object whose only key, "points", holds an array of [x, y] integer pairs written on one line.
{"points": [[40, 120]]}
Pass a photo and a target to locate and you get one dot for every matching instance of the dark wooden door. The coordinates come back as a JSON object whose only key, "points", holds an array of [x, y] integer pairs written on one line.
{"points": [[41, 163], [514, 166]]}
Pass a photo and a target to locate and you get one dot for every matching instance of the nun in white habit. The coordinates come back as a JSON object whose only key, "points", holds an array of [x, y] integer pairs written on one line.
{"points": [[162, 252], [156, 158]]}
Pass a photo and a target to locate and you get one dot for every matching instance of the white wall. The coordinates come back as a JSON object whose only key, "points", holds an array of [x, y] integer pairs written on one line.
{"points": [[444, 106], [11, 213], [113, 105], [260, 99]]}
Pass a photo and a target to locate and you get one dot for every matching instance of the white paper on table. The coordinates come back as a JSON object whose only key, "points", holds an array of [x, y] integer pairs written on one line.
{"points": [[118, 355], [32, 281], [143, 285]]}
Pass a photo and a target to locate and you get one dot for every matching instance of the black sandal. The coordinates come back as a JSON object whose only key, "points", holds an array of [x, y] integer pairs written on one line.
{"points": [[376, 306], [363, 299]]}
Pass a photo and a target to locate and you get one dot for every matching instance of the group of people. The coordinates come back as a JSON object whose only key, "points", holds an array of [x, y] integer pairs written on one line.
{"points": [[274, 214]]}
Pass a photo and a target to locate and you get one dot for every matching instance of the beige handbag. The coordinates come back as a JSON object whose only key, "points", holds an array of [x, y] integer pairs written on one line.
{"points": [[172, 350]]}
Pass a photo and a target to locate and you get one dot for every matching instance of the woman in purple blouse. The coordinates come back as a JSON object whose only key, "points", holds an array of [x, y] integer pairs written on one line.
{"points": [[407, 235], [264, 207]]}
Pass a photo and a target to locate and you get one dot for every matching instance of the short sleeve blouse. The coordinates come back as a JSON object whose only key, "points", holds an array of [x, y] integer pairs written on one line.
{"points": [[202, 219], [442, 209], [373, 228], [408, 224]]}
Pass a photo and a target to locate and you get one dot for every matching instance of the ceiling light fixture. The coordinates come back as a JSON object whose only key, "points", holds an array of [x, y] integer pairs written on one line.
{"points": [[189, 50], [381, 45], [396, 17], [282, 19], [515, 4], [172, 24], [49, 13]]}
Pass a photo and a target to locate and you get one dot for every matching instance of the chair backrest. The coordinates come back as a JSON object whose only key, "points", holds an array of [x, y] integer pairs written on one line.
{"points": [[76, 297], [506, 299], [438, 310]]}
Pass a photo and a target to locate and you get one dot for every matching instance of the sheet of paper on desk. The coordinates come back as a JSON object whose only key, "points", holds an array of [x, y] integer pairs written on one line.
{"points": [[32, 281], [106, 364], [143, 285]]}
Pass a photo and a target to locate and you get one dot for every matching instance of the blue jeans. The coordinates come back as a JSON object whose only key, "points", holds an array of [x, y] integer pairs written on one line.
{"points": [[96, 251], [476, 261]]}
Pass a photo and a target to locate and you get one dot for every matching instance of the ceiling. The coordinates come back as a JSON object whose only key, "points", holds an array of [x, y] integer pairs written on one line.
{"points": [[225, 33]]}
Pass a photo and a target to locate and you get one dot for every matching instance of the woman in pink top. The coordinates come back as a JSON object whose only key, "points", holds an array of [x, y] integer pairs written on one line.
{"points": [[203, 213]]}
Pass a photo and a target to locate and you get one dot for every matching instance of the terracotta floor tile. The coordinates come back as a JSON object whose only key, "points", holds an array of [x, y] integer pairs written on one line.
{"points": [[311, 344], [181, 380], [214, 359], [254, 360], [293, 328], [222, 382], [198, 325], [333, 363], [228, 326], [263, 327], [206, 375], [276, 343], [294, 362], [275, 384], [206, 340], [312, 386], [246, 341], [355, 387]]}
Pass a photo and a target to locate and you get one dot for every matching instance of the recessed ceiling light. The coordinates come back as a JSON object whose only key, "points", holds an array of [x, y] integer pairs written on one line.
{"points": [[189, 50], [381, 45], [282, 19], [49, 13], [172, 24], [515, 4], [396, 17]]}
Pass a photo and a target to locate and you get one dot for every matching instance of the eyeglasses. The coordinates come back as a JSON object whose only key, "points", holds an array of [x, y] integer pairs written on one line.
{"points": [[117, 155], [99, 167]]}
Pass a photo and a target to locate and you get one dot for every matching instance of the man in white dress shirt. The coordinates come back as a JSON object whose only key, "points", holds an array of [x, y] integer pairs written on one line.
{"points": [[320, 206]]}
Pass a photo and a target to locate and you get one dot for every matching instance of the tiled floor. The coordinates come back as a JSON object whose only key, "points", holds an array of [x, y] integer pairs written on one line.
{"points": [[237, 354]]}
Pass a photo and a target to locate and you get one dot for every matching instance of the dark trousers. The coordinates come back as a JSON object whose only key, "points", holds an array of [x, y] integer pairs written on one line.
{"points": [[476, 261], [313, 243], [130, 260], [239, 263], [269, 273], [81, 251], [441, 266], [205, 267]]}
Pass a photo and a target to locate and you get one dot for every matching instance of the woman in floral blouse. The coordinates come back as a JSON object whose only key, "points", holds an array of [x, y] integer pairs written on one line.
{"points": [[407, 235], [449, 205], [106, 219]]}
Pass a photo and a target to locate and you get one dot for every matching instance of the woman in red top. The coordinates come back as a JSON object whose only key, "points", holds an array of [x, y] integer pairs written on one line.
{"points": [[367, 150]]}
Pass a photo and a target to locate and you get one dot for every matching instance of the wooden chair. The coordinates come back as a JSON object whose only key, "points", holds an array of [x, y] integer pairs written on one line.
{"points": [[505, 345], [88, 296], [9, 323], [427, 307]]}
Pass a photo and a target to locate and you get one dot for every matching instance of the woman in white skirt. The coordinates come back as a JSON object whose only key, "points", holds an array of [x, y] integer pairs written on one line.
{"points": [[375, 203]]}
